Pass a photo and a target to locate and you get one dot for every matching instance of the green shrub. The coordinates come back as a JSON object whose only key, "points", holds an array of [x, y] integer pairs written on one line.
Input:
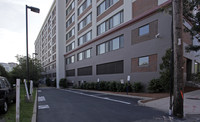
{"points": [[155, 86], [120, 87], [54, 83], [63, 83], [196, 77], [137, 87], [48, 82], [113, 86], [129, 86]]}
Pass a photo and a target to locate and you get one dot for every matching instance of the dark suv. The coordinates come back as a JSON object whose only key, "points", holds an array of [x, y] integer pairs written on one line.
{"points": [[7, 94]]}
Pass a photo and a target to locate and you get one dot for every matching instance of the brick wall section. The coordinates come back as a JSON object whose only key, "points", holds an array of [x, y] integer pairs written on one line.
{"points": [[79, 2], [70, 13], [85, 28], [85, 11], [153, 30], [141, 6], [152, 67], [111, 9], [187, 38], [69, 27], [68, 3], [69, 40]]}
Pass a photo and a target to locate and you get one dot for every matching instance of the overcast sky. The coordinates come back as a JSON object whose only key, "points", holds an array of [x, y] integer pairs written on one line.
{"points": [[13, 26]]}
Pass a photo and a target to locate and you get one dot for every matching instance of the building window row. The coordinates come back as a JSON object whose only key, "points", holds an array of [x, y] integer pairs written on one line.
{"points": [[110, 45], [143, 61], [85, 38], [116, 67], [85, 21], [110, 68], [71, 6], [70, 33], [84, 6], [70, 21], [110, 23], [105, 5], [84, 55], [70, 47], [70, 60], [144, 30]]}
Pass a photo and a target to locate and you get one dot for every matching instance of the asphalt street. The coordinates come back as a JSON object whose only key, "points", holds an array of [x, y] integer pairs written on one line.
{"points": [[55, 105]]}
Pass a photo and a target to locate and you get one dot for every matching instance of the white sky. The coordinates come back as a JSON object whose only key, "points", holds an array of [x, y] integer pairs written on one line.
{"points": [[13, 26]]}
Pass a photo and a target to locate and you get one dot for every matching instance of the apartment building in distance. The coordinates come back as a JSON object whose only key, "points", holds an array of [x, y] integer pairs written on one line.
{"points": [[45, 44], [108, 40]]}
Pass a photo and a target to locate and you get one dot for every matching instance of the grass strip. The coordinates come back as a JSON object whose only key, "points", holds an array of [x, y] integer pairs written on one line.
{"points": [[26, 108]]}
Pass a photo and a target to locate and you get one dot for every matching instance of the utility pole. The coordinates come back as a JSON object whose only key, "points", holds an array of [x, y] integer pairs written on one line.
{"points": [[178, 58]]}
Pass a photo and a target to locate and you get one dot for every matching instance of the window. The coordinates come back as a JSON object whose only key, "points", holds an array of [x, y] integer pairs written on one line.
{"points": [[88, 53], [70, 21], [102, 48], [144, 61], [144, 30], [80, 56], [85, 38], [70, 60], [110, 23], [110, 45], [84, 71], [110, 68], [84, 55], [70, 34], [84, 6], [71, 6], [70, 47], [85, 21], [70, 72], [105, 5]]}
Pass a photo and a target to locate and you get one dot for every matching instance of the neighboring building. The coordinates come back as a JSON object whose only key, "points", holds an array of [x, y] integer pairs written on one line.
{"points": [[45, 44], [8, 66], [110, 40]]}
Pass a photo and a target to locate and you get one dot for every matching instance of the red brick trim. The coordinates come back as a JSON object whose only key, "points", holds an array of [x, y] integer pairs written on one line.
{"points": [[72, 38], [71, 25], [152, 67], [85, 11], [70, 13], [111, 9], [85, 28]]}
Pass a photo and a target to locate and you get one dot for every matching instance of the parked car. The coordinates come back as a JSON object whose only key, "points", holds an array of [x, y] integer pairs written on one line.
{"points": [[7, 94]]}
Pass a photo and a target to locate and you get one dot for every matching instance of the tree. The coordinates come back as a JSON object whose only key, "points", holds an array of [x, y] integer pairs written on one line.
{"points": [[3, 72], [191, 12], [19, 71]]}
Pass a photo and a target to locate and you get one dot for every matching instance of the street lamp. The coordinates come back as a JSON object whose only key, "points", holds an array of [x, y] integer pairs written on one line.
{"points": [[36, 10]]}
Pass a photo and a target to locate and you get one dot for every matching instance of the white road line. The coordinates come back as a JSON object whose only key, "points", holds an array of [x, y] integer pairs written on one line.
{"points": [[43, 106], [39, 90], [41, 98], [104, 98]]}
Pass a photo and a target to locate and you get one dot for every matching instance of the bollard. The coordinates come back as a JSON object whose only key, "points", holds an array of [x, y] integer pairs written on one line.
{"points": [[17, 100]]}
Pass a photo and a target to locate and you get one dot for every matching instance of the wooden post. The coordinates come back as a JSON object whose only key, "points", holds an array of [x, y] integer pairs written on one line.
{"points": [[178, 58]]}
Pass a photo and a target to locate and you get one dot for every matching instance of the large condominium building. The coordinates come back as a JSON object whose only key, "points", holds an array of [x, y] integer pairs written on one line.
{"points": [[108, 40]]}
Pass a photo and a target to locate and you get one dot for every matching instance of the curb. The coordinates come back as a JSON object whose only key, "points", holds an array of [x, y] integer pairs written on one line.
{"points": [[34, 116]]}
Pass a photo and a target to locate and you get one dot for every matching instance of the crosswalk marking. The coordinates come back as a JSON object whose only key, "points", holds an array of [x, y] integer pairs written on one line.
{"points": [[43, 106], [39, 90], [41, 98]]}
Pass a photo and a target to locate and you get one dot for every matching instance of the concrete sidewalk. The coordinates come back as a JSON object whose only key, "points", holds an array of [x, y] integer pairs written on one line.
{"points": [[191, 103]]}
